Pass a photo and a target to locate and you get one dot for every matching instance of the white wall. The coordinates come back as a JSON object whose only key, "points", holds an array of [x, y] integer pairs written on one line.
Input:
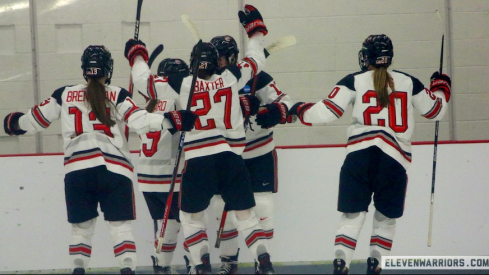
{"points": [[35, 233], [329, 34]]}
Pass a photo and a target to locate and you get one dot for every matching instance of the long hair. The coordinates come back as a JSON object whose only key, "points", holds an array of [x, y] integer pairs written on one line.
{"points": [[96, 97], [151, 105], [382, 80]]}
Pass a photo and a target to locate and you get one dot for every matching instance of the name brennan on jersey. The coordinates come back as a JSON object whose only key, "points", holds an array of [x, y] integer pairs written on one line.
{"points": [[79, 96], [204, 86]]}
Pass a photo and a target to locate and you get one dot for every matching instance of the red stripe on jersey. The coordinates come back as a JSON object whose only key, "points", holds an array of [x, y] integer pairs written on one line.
{"points": [[83, 158], [337, 111], [435, 110], [385, 140], [130, 112], [258, 145], [119, 163], [213, 144], [40, 119], [252, 64], [151, 87]]}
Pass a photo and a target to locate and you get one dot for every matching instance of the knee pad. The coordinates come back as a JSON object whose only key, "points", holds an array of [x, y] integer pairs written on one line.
{"points": [[198, 220], [119, 228], [86, 228], [381, 221], [264, 205], [353, 219]]}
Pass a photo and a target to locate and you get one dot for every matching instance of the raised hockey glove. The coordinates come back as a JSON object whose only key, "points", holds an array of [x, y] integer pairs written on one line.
{"points": [[11, 124], [249, 105], [135, 48], [182, 120], [252, 21], [298, 110], [272, 114], [441, 82]]}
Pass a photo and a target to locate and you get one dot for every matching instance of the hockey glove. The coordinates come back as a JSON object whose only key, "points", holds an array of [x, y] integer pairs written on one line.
{"points": [[441, 82], [249, 105], [11, 124], [135, 48], [182, 120], [272, 114], [298, 110], [252, 21]]}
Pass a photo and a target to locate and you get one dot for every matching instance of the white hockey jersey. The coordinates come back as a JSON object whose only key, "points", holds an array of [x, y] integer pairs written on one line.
{"points": [[219, 127], [389, 128], [260, 141], [88, 142], [157, 155]]}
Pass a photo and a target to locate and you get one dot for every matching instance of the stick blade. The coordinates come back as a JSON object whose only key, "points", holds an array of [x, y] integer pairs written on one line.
{"points": [[281, 43], [160, 244], [191, 26]]}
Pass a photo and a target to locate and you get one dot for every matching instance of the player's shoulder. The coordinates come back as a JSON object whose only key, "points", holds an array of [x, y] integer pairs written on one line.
{"points": [[349, 80], [58, 93], [417, 84]]}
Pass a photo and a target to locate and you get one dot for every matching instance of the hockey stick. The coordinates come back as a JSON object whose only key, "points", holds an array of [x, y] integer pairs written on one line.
{"points": [[136, 37], [221, 228], [430, 228], [198, 53], [155, 54], [191, 26]]}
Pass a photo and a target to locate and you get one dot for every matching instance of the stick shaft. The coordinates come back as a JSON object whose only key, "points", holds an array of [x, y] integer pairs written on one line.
{"points": [[179, 151], [221, 228], [435, 149]]}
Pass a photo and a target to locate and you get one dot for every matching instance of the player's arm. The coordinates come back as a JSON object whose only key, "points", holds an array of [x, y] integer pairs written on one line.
{"points": [[37, 118], [329, 109], [432, 103], [275, 103], [155, 87], [142, 122]]}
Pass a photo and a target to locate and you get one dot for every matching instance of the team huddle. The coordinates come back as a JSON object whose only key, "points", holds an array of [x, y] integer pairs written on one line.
{"points": [[224, 139]]}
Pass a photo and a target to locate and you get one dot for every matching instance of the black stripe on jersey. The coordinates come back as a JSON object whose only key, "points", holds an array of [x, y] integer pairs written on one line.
{"points": [[417, 85], [347, 81], [175, 81], [122, 96], [57, 94], [263, 79], [235, 71]]}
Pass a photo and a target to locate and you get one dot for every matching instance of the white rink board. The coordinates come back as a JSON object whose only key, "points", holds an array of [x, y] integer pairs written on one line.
{"points": [[35, 234]]}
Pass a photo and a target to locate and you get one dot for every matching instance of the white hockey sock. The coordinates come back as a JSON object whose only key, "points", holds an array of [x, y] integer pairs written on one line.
{"points": [[264, 210], [347, 235], [248, 227], [124, 245], [194, 229], [229, 236], [169, 242], [81, 243], [383, 233]]}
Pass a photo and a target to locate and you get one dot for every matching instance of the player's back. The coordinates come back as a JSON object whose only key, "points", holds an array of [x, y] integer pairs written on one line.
{"points": [[219, 126]]}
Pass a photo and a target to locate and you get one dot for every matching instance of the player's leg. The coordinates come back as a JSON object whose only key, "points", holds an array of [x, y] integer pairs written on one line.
{"points": [[116, 198], [156, 202], [237, 193], [199, 184], [229, 239], [81, 207], [354, 197], [389, 194]]}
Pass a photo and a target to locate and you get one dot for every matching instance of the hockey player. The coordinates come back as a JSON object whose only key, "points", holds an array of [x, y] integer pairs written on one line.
{"points": [[379, 144], [213, 150], [259, 155], [97, 166], [155, 168]]}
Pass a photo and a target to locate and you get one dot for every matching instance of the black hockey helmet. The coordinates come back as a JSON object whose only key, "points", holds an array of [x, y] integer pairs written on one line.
{"points": [[170, 66], [377, 50], [97, 62], [209, 58], [226, 46]]}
